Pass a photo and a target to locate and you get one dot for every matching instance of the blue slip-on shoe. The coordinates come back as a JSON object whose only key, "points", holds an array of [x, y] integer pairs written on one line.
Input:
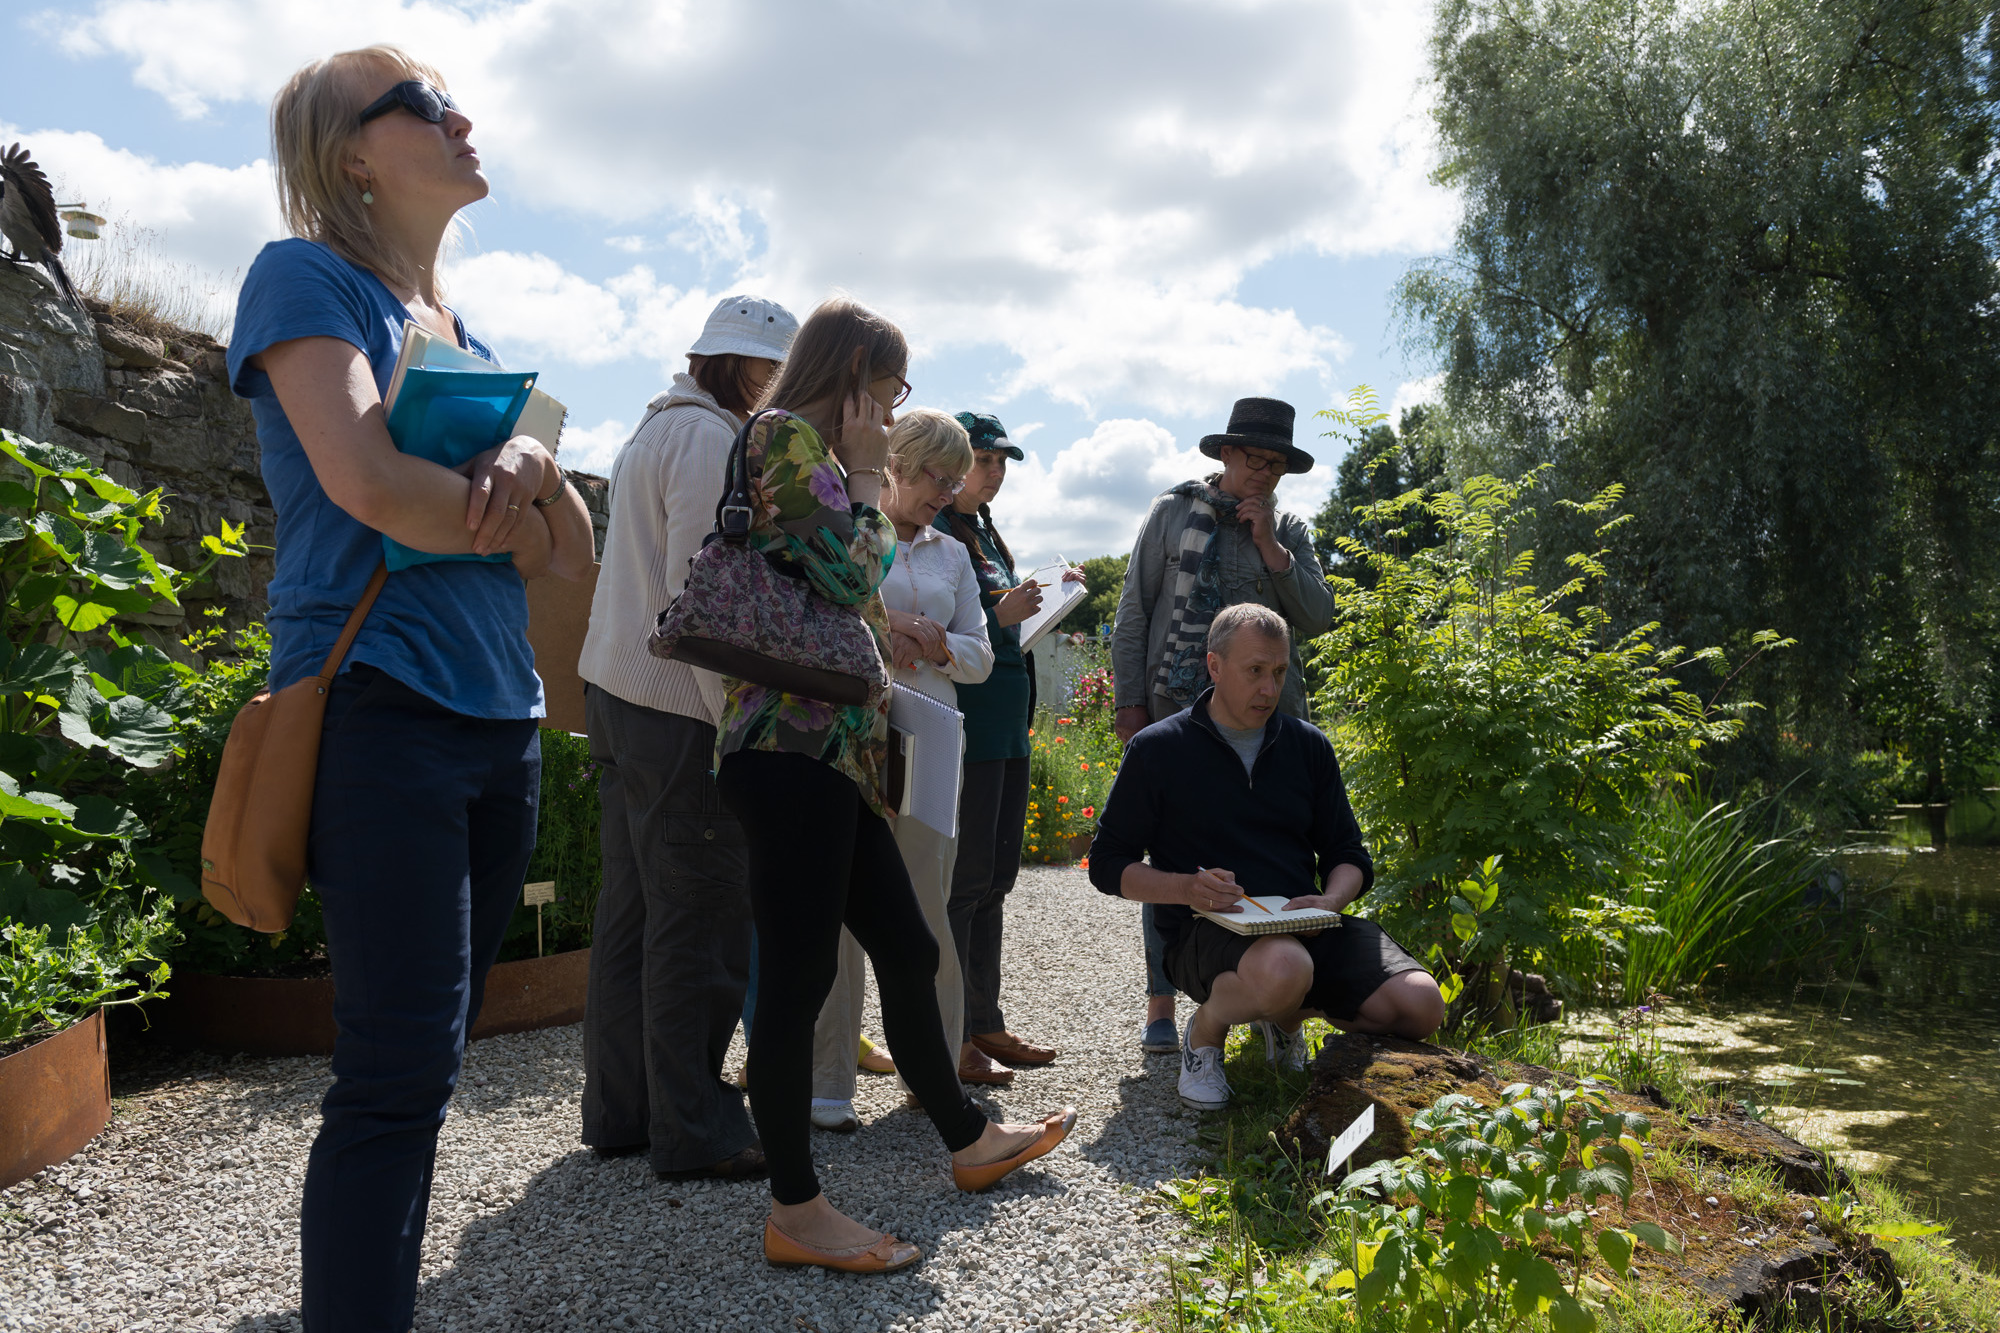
{"points": [[1159, 1038]]}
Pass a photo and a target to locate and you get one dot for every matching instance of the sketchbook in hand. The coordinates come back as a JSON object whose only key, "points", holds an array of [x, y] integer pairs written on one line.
{"points": [[926, 759], [1277, 921], [447, 406]]}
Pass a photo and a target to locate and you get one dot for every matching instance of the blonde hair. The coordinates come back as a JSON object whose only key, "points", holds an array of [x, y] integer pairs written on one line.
{"points": [[314, 121], [923, 438]]}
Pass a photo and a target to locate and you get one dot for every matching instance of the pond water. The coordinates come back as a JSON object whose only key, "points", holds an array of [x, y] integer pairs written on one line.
{"points": [[1895, 1066]]}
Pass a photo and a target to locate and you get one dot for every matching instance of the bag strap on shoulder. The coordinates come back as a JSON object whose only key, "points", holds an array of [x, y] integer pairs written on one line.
{"points": [[353, 626], [733, 512]]}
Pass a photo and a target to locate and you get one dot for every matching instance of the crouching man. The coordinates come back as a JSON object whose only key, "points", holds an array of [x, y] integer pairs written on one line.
{"points": [[1233, 797]]}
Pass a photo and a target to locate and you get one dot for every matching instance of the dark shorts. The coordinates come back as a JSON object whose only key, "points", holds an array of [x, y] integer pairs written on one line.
{"points": [[1350, 963]]}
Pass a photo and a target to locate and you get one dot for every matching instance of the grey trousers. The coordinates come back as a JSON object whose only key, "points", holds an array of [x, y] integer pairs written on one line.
{"points": [[670, 946], [928, 855], [992, 814]]}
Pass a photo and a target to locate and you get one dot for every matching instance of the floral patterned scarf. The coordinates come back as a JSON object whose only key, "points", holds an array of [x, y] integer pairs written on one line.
{"points": [[1183, 671]]}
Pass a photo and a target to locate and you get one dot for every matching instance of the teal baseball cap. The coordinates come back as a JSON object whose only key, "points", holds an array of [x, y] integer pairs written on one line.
{"points": [[987, 433]]}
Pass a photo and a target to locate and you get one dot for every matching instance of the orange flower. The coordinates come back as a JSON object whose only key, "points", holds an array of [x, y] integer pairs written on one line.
{"points": [[1090, 812], [1086, 766], [1084, 864], [1062, 800]]}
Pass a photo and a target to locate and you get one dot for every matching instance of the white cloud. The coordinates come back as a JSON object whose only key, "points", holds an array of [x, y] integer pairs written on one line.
{"points": [[631, 245], [591, 449], [1089, 204], [1412, 393], [1020, 434]]}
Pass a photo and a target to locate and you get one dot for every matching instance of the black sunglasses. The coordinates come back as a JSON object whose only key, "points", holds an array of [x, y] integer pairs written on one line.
{"points": [[414, 96]]}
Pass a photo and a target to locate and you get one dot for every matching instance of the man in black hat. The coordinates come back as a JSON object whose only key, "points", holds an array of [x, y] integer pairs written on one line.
{"points": [[1207, 544]]}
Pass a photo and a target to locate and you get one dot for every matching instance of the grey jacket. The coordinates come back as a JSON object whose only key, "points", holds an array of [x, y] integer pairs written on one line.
{"points": [[1146, 607]]}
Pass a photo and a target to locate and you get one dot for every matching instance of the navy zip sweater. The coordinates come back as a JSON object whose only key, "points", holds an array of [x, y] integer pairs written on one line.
{"points": [[1183, 801]]}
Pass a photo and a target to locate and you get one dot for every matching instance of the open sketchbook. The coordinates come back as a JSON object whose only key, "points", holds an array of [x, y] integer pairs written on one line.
{"points": [[1058, 599], [1277, 921], [926, 759]]}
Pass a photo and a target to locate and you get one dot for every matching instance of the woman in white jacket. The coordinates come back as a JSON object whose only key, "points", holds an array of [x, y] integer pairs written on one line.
{"points": [[670, 947], [938, 631]]}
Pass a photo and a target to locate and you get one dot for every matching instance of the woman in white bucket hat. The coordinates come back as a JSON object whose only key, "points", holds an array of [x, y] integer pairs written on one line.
{"points": [[670, 949]]}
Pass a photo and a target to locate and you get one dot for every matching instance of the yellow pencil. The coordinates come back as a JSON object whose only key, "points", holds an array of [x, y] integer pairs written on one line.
{"points": [[1203, 870]]}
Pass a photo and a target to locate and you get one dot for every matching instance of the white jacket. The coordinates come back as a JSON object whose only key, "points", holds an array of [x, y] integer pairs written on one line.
{"points": [[933, 576], [664, 485]]}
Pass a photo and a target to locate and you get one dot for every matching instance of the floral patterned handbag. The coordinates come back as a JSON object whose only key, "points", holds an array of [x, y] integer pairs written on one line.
{"points": [[742, 616]]}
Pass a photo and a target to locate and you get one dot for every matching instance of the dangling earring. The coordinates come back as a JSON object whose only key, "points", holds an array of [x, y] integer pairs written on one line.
{"points": [[368, 196]]}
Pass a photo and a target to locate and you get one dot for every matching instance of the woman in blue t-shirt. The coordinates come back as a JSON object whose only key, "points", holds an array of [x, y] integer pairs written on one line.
{"points": [[424, 811]]}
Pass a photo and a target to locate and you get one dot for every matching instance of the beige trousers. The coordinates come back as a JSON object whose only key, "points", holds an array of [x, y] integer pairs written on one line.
{"points": [[929, 855]]}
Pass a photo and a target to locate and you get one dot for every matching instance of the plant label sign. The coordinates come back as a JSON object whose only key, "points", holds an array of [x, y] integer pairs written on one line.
{"points": [[534, 895], [1351, 1138]]}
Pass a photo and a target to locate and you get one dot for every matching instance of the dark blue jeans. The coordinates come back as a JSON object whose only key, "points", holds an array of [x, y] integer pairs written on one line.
{"points": [[423, 821]]}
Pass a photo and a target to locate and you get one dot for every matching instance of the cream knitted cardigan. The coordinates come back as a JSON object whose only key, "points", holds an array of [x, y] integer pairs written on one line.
{"points": [[664, 485]]}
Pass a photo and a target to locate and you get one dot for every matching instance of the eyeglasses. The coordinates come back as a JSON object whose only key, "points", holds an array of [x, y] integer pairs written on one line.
{"points": [[949, 485], [902, 395], [1263, 462], [414, 96]]}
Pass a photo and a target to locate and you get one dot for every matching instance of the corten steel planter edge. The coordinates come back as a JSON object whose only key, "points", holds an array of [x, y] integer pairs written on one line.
{"points": [[284, 1016], [54, 1098]]}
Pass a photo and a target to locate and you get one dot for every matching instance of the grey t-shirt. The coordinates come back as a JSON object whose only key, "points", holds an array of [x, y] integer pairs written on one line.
{"points": [[1245, 743]]}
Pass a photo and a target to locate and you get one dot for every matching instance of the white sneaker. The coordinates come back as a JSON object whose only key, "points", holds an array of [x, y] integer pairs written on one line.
{"points": [[1203, 1085], [838, 1117], [1286, 1050]]}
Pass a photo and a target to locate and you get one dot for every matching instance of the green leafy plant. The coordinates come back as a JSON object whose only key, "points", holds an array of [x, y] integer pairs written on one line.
{"points": [[1463, 1233], [1479, 714], [567, 851], [49, 980], [83, 706]]}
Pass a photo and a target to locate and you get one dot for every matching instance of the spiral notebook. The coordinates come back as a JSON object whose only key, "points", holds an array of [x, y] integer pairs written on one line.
{"points": [[926, 759], [1277, 921]]}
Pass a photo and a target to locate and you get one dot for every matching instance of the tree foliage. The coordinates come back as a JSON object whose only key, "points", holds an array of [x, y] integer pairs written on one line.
{"points": [[1740, 255]]}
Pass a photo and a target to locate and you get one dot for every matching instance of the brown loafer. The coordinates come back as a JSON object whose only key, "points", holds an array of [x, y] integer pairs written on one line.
{"points": [[1009, 1049], [875, 1060], [885, 1256], [976, 1067], [1055, 1128], [749, 1164]]}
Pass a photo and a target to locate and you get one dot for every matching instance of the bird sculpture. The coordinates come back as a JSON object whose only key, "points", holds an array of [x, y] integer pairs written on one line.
{"points": [[28, 218]]}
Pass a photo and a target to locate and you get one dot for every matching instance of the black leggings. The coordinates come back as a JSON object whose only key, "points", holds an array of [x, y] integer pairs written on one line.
{"points": [[820, 859]]}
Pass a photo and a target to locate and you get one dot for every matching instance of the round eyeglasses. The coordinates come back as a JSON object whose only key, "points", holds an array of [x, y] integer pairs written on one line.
{"points": [[1264, 463]]}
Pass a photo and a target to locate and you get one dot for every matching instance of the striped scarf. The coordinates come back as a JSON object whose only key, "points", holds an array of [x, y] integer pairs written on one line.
{"points": [[1183, 671]]}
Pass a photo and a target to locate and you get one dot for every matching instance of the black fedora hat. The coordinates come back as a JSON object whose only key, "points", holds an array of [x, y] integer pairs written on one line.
{"points": [[1261, 423]]}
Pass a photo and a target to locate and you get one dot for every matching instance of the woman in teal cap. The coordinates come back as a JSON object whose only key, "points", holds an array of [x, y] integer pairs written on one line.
{"points": [[993, 808]]}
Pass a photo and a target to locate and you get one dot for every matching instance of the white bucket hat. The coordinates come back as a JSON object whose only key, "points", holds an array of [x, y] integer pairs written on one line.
{"points": [[747, 326]]}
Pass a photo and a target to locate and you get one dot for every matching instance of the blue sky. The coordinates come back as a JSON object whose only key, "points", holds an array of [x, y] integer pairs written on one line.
{"points": [[1101, 221]]}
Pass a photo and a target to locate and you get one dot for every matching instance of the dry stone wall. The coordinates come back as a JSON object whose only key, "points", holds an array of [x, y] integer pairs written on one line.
{"points": [[154, 410]]}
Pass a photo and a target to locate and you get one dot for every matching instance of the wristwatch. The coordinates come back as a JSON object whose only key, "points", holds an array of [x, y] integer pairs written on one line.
{"points": [[556, 494]]}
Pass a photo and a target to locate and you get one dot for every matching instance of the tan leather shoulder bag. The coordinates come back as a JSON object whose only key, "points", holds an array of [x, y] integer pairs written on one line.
{"points": [[253, 848]]}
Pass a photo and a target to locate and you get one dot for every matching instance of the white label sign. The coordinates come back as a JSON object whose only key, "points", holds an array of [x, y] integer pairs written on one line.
{"points": [[1351, 1138], [534, 895]]}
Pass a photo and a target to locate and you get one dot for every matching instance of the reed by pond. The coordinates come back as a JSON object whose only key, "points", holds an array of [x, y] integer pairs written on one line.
{"points": [[1890, 1062]]}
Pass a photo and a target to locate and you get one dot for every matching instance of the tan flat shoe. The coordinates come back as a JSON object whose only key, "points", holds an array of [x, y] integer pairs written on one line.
{"points": [[977, 1067], [874, 1060], [1055, 1128], [1009, 1049], [885, 1256]]}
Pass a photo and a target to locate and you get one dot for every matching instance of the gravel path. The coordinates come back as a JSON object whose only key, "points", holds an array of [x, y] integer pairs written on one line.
{"points": [[183, 1214]]}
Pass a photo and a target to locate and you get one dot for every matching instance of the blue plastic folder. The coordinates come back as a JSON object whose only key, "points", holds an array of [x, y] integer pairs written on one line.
{"points": [[448, 417]]}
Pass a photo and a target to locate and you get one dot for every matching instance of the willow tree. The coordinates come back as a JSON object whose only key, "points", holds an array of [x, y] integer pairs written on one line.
{"points": [[1740, 256]]}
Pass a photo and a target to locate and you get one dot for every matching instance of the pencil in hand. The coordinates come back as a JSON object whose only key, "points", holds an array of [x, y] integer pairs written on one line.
{"points": [[1240, 895]]}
